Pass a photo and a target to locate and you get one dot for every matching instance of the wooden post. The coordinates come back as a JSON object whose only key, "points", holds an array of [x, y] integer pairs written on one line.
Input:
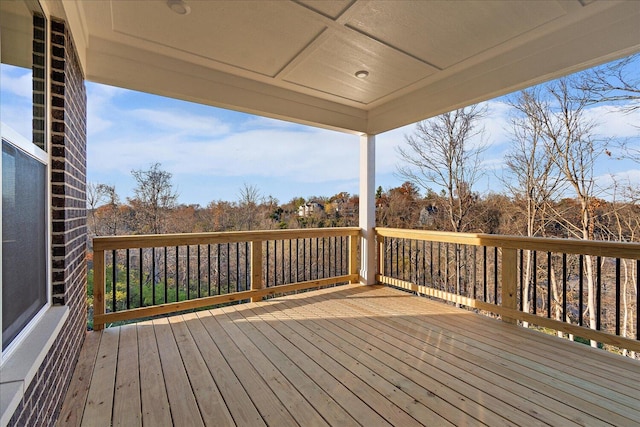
{"points": [[380, 255], [353, 256], [256, 267], [509, 280], [98, 288]]}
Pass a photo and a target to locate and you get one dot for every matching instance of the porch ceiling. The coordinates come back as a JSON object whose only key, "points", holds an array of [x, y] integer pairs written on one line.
{"points": [[296, 60]]}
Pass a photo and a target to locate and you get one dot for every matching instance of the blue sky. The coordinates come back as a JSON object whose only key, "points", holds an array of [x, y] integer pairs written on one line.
{"points": [[213, 152]]}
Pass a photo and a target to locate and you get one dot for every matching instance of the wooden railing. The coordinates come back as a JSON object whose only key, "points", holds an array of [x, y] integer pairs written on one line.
{"points": [[147, 275], [587, 289]]}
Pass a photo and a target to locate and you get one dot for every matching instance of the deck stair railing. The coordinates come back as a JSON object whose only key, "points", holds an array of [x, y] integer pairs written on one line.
{"points": [[147, 275], [589, 290]]}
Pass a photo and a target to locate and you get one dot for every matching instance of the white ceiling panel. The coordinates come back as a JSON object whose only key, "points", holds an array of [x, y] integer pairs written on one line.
{"points": [[295, 59], [261, 37], [332, 66], [444, 33]]}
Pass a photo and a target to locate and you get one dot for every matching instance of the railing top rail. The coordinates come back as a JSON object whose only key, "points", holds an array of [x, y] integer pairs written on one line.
{"points": [[159, 240], [624, 250]]}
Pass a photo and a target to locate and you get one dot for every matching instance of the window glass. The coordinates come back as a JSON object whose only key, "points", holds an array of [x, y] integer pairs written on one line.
{"points": [[22, 70], [24, 261]]}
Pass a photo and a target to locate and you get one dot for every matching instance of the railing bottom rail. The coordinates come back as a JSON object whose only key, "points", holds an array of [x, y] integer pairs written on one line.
{"points": [[175, 307]]}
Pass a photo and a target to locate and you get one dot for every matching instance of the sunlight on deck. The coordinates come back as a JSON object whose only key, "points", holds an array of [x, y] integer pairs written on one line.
{"points": [[349, 355]]}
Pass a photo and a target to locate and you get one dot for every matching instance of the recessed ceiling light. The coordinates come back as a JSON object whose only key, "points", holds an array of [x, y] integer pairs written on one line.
{"points": [[362, 74], [179, 6]]}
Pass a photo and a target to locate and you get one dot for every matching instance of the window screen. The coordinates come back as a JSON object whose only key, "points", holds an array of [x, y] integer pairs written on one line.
{"points": [[24, 262]]}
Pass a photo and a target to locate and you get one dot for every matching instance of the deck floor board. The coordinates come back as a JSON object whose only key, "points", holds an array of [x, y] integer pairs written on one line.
{"points": [[341, 356]]}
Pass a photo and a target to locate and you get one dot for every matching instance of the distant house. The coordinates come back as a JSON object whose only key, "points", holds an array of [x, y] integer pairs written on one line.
{"points": [[310, 208], [427, 215]]}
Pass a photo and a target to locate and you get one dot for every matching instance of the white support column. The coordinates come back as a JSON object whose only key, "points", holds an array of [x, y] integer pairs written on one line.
{"points": [[367, 209]]}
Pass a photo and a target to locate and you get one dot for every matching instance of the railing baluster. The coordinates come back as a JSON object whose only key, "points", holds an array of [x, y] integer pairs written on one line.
{"points": [[431, 261], [439, 265], [495, 275], [317, 258], [141, 278], [153, 276], [598, 292], [343, 263], [403, 262], [617, 296], [128, 281], [549, 267], [177, 275], [484, 273], [238, 267], [581, 290], [391, 241], [534, 276], [424, 263], [228, 258], [446, 268], [638, 299], [475, 271], [297, 260], [113, 280], [521, 277], [411, 261], [208, 269], [188, 275], [166, 281], [324, 273], [267, 264], [247, 265], [564, 287], [219, 282], [199, 273]]}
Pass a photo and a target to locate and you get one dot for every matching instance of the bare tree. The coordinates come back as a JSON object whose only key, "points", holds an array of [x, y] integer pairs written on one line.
{"points": [[103, 203], [445, 152], [616, 82], [575, 150], [154, 197], [249, 199], [532, 175], [95, 197]]}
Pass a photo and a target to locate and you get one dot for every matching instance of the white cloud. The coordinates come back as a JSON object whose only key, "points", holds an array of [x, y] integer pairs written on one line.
{"points": [[17, 81], [180, 121], [629, 178], [386, 152], [302, 156], [19, 118], [496, 123], [101, 109], [612, 122]]}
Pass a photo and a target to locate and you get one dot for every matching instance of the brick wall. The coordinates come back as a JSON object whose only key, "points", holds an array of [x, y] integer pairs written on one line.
{"points": [[41, 404]]}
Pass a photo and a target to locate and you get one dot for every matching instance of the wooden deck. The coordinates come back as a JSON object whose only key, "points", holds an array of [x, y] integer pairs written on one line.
{"points": [[350, 355]]}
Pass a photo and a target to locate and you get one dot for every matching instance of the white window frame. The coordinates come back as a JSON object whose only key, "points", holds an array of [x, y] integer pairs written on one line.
{"points": [[30, 149]]}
